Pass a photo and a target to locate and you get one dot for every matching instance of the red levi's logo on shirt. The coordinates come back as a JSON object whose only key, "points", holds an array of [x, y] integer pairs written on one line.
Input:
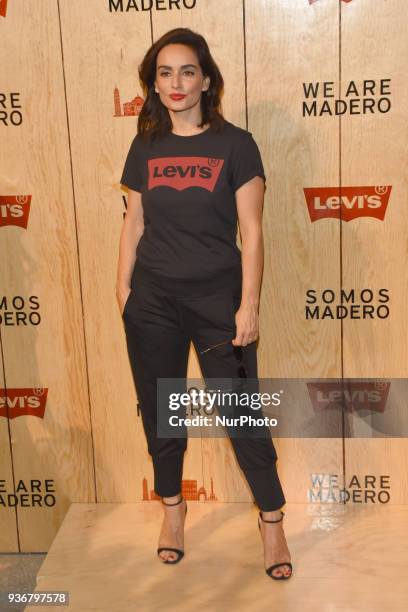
{"points": [[183, 172]]}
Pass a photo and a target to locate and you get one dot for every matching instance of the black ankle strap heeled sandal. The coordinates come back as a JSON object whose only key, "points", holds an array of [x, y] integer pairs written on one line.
{"points": [[270, 569], [179, 552]]}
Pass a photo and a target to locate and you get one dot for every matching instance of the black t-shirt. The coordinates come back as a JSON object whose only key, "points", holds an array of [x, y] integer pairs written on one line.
{"points": [[188, 186]]}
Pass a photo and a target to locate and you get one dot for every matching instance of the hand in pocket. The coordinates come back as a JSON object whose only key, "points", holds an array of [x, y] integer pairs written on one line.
{"points": [[123, 296]]}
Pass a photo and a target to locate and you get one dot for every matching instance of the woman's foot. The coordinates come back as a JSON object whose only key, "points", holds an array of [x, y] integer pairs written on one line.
{"points": [[172, 531], [275, 546]]}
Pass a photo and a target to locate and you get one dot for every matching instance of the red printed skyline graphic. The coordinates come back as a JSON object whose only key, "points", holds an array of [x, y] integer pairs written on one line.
{"points": [[353, 395], [183, 172], [188, 489], [313, 1], [14, 210], [23, 402], [361, 201], [3, 8], [130, 109]]}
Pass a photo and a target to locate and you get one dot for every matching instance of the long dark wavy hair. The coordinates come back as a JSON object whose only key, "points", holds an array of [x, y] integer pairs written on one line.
{"points": [[154, 119]]}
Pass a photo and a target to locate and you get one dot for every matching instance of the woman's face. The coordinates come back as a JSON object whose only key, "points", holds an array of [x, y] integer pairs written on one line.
{"points": [[178, 72]]}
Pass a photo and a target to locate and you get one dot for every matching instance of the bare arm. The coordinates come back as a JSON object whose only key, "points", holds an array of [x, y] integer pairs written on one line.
{"points": [[249, 199], [132, 230]]}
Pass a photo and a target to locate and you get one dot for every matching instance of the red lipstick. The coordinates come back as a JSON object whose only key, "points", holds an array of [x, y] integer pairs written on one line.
{"points": [[177, 96]]}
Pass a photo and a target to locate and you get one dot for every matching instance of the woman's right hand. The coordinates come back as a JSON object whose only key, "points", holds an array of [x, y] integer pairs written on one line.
{"points": [[122, 294]]}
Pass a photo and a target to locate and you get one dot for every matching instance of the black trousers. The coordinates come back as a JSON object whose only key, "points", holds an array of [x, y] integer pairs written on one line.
{"points": [[161, 317]]}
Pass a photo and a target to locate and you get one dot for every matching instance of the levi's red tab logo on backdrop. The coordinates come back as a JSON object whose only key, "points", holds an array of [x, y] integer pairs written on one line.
{"points": [[3, 8], [326, 202], [183, 172], [22, 402], [352, 395], [14, 210]]}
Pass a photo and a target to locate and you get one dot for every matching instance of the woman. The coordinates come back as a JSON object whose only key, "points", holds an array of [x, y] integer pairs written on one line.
{"points": [[190, 176]]}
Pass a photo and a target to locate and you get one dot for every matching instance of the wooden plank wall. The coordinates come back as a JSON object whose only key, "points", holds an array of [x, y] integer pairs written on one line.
{"points": [[44, 360], [374, 149], [69, 61]]}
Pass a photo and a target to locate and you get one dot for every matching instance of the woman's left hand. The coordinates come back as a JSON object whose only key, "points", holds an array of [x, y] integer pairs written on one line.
{"points": [[247, 322]]}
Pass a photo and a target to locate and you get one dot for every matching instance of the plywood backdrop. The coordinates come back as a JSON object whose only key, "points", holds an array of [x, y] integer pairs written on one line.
{"points": [[69, 426]]}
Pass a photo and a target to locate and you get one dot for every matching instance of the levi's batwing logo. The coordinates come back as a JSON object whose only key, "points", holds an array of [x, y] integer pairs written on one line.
{"points": [[183, 172]]}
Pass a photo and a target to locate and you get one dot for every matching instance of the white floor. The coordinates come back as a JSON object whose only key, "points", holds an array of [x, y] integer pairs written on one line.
{"points": [[348, 558]]}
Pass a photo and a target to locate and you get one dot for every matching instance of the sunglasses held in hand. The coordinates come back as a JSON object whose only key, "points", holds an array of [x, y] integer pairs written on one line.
{"points": [[242, 373]]}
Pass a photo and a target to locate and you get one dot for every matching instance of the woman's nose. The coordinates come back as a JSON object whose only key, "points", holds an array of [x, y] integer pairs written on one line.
{"points": [[175, 81]]}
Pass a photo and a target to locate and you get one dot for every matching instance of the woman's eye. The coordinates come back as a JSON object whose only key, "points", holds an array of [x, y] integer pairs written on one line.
{"points": [[189, 72]]}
